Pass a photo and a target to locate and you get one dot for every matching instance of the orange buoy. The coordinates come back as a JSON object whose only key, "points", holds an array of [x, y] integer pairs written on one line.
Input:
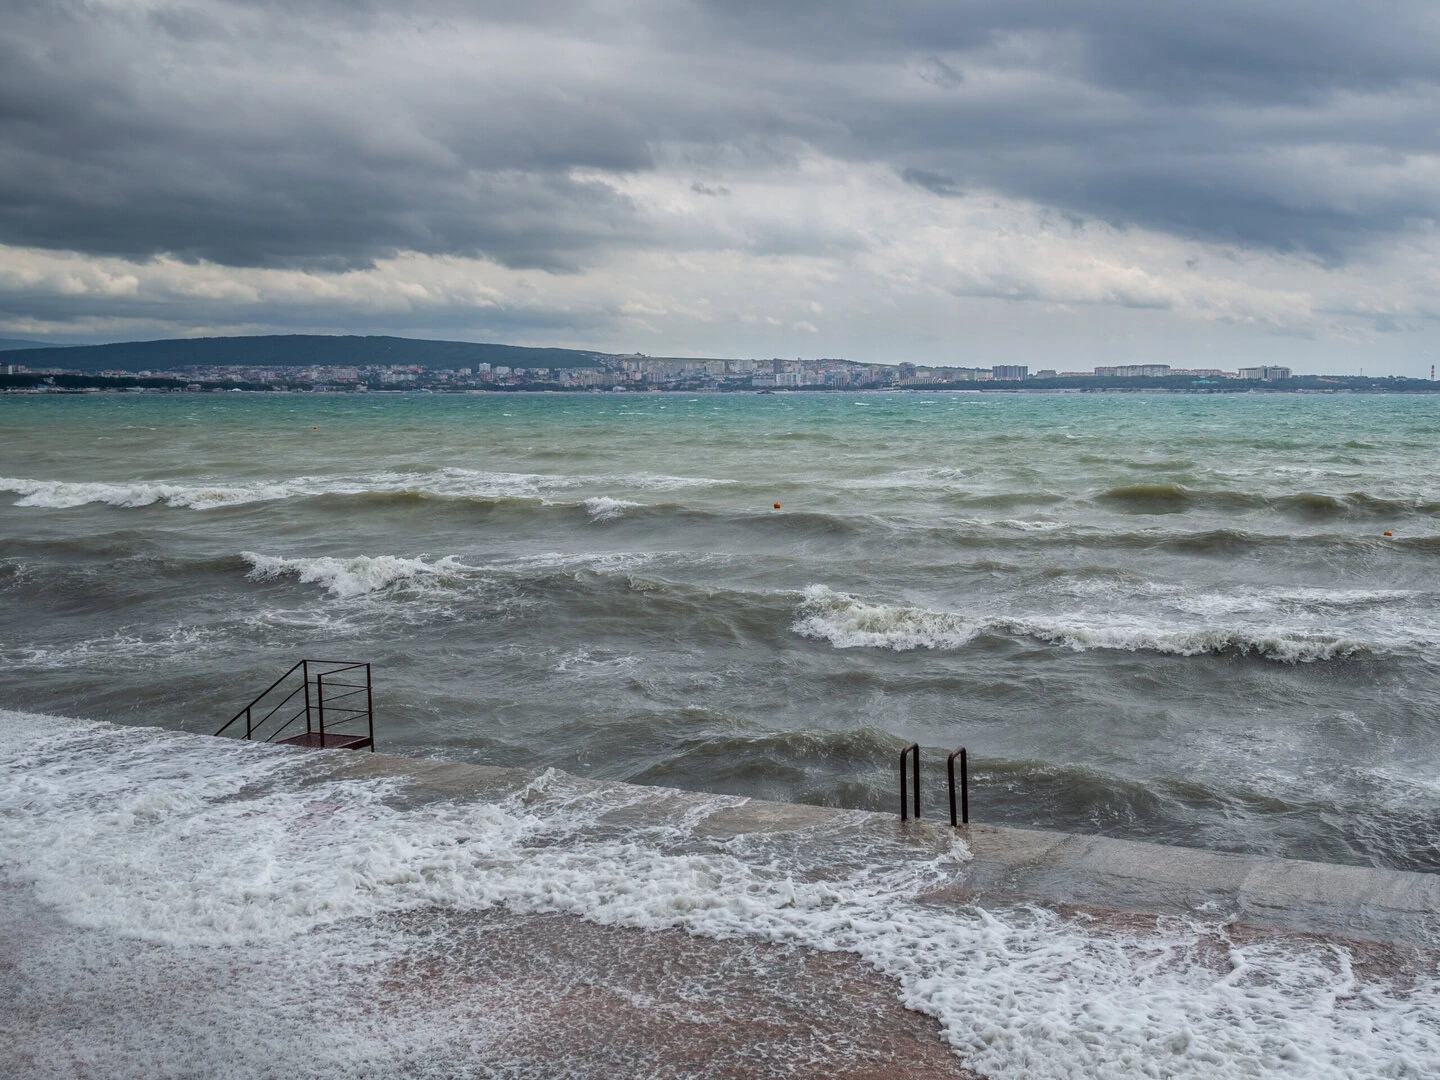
{"points": [[1389, 533], [777, 506]]}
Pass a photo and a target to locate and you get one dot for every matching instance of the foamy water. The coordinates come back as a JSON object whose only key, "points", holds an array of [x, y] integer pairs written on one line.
{"points": [[192, 858], [449, 483], [848, 622]]}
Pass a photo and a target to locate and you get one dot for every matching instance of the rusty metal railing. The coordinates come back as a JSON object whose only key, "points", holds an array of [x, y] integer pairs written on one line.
{"points": [[267, 720], [964, 785], [913, 748], [910, 802]]}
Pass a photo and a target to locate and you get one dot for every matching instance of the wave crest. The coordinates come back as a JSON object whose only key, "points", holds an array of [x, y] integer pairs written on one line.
{"points": [[848, 622], [360, 575], [1168, 498], [61, 495], [604, 508], [449, 483]]}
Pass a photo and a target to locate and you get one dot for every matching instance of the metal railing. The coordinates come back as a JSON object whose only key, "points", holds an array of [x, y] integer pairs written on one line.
{"points": [[915, 765], [343, 719], [964, 785], [910, 803]]}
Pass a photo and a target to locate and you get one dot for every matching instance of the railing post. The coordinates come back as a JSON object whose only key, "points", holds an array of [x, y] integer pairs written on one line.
{"points": [[370, 707], [320, 703], [964, 786], [915, 747], [305, 672], [247, 723]]}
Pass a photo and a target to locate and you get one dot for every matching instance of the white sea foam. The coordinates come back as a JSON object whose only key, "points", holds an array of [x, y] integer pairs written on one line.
{"points": [[1206, 599], [59, 495], [443, 483], [134, 646], [1029, 526], [401, 577], [360, 575], [850, 623], [604, 508], [590, 662], [847, 622], [187, 842]]}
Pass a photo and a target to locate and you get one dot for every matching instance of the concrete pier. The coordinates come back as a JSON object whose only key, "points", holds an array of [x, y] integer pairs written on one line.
{"points": [[1019, 865], [1013, 864], [415, 957]]}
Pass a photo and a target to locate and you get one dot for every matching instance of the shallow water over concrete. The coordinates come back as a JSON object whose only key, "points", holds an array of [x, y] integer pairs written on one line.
{"points": [[174, 905]]}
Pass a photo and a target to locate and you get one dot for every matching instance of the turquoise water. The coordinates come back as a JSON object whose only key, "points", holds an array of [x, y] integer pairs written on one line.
{"points": [[1164, 617]]}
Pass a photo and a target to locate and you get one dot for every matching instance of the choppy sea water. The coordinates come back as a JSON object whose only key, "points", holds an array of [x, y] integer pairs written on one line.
{"points": [[1170, 618], [1166, 618]]}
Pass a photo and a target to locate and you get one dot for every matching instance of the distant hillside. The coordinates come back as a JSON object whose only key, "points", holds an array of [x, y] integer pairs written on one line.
{"points": [[291, 350], [8, 344]]}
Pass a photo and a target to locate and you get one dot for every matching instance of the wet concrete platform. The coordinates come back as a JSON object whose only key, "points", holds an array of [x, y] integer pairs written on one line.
{"points": [[1054, 869], [437, 991]]}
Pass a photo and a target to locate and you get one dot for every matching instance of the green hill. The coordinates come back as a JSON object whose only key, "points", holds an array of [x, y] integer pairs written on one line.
{"points": [[291, 350]]}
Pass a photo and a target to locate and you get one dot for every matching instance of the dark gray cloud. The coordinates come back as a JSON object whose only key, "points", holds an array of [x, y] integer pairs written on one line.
{"points": [[935, 183], [329, 133]]}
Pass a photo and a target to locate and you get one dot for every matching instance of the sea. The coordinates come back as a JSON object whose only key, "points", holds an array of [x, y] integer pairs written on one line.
{"points": [[1197, 620]]}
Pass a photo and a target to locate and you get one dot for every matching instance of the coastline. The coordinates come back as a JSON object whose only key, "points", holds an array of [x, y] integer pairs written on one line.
{"points": [[99, 384]]}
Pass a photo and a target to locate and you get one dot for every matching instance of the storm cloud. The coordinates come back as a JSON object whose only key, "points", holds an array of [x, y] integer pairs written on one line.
{"points": [[329, 137]]}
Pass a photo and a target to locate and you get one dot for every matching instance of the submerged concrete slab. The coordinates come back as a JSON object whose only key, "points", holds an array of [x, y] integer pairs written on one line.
{"points": [[758, 816], [1007, 865]]}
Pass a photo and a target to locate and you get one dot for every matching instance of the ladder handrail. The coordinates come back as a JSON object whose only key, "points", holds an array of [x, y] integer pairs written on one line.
{"points": [[959, 751], [260, 695], [915, 747], [276, 733], [910, 802], [315, 704]]}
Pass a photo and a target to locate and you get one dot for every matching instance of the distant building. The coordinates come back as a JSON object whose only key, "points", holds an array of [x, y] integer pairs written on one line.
{"points": [[1009, 371], [1045, 373], [1140, 371], [1264, 374]]}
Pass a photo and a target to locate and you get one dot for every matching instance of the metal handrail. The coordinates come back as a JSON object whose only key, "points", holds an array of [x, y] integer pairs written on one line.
{"points": [[283, 702], [260, 695], [910, 801], [276, 733], [314, 706], [964, 786], [352, 693], [915, 747]]}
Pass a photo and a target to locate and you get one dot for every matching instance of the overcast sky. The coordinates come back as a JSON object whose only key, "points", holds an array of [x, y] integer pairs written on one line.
{"points": [[967, 181]]}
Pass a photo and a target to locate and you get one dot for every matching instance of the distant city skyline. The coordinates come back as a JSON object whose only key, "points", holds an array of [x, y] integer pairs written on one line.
{"points": [[1104, 183]]}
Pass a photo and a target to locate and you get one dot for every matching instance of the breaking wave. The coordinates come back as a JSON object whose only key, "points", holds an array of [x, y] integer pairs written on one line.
{"points": [[60, 495], [604, 508], [847, 622], [360, 575], [449, 483]]}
